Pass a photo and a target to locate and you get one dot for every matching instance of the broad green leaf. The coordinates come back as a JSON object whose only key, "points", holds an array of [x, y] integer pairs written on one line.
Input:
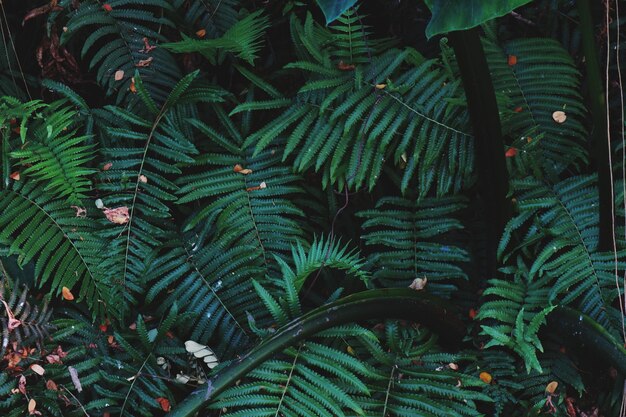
{"points": [[334, 8], [450, 15]]}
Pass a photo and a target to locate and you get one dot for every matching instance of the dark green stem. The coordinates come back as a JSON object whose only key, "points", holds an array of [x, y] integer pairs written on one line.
{"points": [[581, 331], [373, 304], [599, 133], [483, 110]]}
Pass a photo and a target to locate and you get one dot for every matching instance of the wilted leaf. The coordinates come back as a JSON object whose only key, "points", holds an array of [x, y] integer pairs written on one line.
{"points": [[511, 152], [51, 385], [418, 284], [119, 74], [144, 62], [15, 176], [117, 215], [512, 60], [201, 33], [202, 352]]}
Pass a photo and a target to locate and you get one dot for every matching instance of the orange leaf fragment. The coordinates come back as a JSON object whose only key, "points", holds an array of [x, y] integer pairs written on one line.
{"points": [[472, 313], [132, 87], [511, 152], [518, 109], [38, 369], [15, 176], [32, 405], [201, 33], [51, 385], [512, 60], [144, 62], [551, 387], [345, 67], [559, 116], [164, 403], [245, 171], [119, 74], [107, 7], [117, 215], [485, 377], [67, 294]]}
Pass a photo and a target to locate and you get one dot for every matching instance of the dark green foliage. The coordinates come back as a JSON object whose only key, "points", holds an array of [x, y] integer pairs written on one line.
{"points": [[250, 166]]}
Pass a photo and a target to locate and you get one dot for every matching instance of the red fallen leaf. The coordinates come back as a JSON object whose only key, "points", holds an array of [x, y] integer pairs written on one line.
{"points": [[569, 404], [16, 130], [164, 403], [103, 328], [518, 109], [107, 7], [51, 385], [511, 152], [169, 335], [147, 48], [117, 215], [107, 166], [132, 87], [144, 62], [15, 176], [472, 313], [201, 33], [512, 60], [13, 122], [67, 294], [345, 67]]}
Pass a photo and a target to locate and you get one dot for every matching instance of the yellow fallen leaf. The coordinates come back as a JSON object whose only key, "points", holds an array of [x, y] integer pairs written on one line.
{"points": [[551, 387]]}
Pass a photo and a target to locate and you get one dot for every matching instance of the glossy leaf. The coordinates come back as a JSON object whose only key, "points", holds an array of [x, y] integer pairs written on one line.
{"points": [[450, 15], [334, 8]]}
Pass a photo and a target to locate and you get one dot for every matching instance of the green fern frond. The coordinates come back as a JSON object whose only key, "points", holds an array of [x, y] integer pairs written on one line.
{"points": [[40, 227], [404, 237], [114, 41], [242, 39], [544, 79]]}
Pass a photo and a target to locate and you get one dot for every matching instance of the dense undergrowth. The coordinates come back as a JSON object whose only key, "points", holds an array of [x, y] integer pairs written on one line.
{"points": [[225, 195]]}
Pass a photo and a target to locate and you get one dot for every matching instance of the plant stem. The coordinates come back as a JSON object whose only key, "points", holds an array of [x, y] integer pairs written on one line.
{"points": [[599, 132], [483, 110], [398, 303]]}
